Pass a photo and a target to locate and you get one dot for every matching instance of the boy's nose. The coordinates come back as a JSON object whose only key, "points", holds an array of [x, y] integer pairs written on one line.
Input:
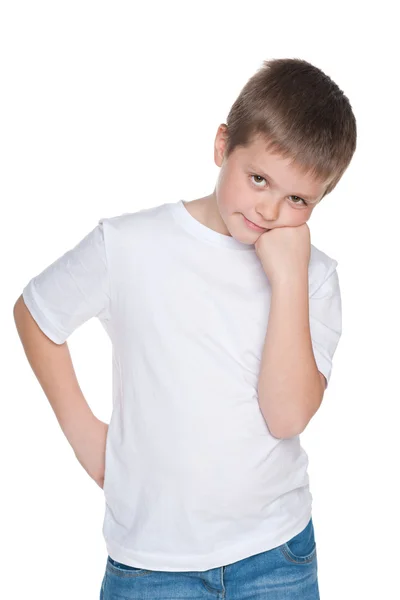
{"points": [[268, 211]]}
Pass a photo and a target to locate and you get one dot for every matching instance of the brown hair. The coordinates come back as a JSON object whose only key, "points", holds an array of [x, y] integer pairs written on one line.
{"points": [[301, 113]]}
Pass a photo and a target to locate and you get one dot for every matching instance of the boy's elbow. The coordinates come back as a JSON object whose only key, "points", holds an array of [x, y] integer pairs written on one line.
{"points": [[285, 431], [284, 435]]}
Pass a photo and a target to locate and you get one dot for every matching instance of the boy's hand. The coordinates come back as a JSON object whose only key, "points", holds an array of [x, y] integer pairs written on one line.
{"points": [[90, 451], [284, 252]]}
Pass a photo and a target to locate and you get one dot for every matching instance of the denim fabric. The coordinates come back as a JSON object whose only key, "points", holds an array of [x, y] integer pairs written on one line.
{"points": [[287, 572]]}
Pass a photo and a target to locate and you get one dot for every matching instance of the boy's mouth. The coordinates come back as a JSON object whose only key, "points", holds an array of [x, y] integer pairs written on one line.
{"points": [[254, 225]]}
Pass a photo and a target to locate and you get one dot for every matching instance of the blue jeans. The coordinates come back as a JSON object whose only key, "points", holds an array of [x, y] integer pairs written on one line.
{"points": [[287, 572]]}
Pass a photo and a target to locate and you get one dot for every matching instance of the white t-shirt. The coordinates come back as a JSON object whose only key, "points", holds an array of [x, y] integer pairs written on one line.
{"points": [[194, 479]]}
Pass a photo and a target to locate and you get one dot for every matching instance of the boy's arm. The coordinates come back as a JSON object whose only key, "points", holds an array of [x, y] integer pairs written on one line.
{"points": [[290, 388], [54, 370], [68, 292]]}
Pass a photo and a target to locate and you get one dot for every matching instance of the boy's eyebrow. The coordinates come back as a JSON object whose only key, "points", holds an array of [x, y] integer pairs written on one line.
{"points": [[260, 172]]}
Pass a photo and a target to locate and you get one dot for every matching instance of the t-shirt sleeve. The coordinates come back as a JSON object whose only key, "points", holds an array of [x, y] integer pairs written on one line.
{"points": [[326, 320], [72, 289]]}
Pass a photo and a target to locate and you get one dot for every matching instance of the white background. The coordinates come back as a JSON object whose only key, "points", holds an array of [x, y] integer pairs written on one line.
{"points": [[111, 107]]}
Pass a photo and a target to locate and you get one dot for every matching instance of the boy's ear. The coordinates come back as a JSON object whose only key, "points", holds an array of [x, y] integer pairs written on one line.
{"points": [[220, 144]]}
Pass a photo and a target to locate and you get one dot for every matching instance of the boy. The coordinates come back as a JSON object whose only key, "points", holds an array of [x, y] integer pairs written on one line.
{"points": [[224, 320]]}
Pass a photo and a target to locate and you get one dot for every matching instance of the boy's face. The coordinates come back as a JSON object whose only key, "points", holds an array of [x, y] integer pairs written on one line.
{"points": [[262, 187]]}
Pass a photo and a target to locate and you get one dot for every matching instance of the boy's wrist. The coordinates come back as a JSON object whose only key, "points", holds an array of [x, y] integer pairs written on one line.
{"points": [[290, 281]]}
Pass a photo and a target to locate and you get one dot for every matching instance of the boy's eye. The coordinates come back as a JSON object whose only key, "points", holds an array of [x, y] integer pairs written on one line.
{"points": [[259, 177], [262, 186], [301, 200]]}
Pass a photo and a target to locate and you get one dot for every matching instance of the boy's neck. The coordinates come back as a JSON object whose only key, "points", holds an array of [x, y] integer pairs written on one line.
{"points": [[205, 210]]}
